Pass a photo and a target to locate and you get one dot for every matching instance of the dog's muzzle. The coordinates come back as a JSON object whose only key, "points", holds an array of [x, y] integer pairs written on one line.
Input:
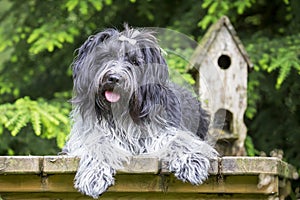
{"points": [[113, 78], [112, 82]]}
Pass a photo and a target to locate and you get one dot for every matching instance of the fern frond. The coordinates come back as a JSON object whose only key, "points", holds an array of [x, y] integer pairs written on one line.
{"points": [[284, 71], [60, 139], [36, 122], [62, 118], [15, 119], [282, 56], [47, 120], [45, 116], [22, 122]]}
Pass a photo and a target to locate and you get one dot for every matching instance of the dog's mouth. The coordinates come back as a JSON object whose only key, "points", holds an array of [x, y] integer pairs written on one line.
{"points": [[112, 96]]}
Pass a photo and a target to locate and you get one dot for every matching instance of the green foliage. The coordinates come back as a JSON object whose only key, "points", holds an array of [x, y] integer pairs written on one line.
{"points": [[250, 148], [282, 58], [83, 6], [50, 36], [253, 94], [216, 9], [48, 121], [276, 123], [283, 55], [178, 65]]}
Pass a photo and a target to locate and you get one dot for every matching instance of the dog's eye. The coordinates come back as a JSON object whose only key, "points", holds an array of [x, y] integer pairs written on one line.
{"points": [[134, 61]]}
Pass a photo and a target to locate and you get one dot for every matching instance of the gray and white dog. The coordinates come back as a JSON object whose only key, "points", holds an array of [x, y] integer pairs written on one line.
{"points": [[124, 104]]}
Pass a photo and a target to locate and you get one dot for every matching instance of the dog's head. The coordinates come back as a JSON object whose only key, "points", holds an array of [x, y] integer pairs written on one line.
{"points": [[112, 66]]}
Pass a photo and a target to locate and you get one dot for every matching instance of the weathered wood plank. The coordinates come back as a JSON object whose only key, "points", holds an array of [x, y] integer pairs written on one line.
{"points": [[20, 183], [226, 165], [60, 164], [139, 183], [228, 184], [52, 177], [233, 165], [141, 164], [20, 164], [123, 183]]}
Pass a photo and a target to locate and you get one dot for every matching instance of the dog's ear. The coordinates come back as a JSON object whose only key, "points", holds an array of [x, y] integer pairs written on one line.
{"points": [[155, 101], [153, 55], [156, 65], [89, 45]]}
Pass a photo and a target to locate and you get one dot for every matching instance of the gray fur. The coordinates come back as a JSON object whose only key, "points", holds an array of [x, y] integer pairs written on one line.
{"points": [[151, 116]]}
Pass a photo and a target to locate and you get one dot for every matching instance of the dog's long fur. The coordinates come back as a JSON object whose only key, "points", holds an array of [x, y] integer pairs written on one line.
{"points": [[125, 105]]}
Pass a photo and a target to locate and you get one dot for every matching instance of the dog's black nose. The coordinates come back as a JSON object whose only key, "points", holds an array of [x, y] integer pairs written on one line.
{"points": [[113, 78]]}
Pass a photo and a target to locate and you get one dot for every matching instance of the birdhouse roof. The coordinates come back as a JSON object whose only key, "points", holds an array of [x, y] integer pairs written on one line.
{"points": [[210, 37]]}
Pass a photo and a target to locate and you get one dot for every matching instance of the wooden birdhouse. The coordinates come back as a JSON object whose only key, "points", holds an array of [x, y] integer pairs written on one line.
{"points": [[223, 67]]}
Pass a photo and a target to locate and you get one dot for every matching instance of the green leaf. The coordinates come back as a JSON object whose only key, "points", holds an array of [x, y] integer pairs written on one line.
{"points": [[71, 4], [251, 151], [212, 9], [108, 2], [205, 22], [36, 122], [286, 1], [83, 7], [34, 35], [206, 3], [50, 46], [13, 120], [22, 121], [97, 4]]}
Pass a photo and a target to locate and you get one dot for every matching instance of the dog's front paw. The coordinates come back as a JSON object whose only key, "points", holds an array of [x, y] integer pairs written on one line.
{"points": [[94, 180], [192, 168]]}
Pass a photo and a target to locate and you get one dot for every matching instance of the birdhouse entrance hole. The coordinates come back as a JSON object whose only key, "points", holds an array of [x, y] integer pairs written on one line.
{"points": [[223, 120], [224, 61]]}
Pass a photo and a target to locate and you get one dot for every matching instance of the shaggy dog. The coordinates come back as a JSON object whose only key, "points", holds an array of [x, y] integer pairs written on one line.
{"points": [[125, 105]]}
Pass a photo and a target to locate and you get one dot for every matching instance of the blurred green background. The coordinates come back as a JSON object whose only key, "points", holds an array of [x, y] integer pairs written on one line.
{"points": [[38, 40]]}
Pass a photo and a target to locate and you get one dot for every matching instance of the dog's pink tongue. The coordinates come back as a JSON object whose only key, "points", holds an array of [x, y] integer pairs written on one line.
{"points": [[112, 96]]}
